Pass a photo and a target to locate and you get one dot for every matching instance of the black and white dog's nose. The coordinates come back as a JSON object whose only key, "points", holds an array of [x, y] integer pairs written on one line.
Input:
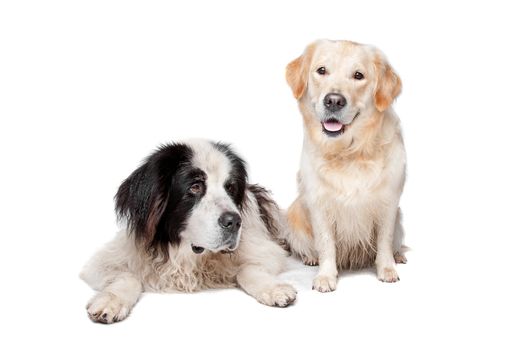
{"points": [[334, 102], [230, 222]]}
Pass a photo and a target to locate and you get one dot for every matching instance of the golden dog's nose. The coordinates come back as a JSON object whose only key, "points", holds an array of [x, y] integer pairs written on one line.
{"points": [[334, 102]]}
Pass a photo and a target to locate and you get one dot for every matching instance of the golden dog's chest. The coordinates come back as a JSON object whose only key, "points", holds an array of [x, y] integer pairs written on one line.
{"points": [[356, 180], [352, 198], [355, 233]]}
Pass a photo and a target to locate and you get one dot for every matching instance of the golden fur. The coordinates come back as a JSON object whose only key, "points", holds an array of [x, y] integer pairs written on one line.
{"points": [[346, 214]]}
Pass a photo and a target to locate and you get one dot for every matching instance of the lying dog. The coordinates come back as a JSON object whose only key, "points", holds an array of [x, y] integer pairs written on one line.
{"points": [[353, 161], [193, 222]]}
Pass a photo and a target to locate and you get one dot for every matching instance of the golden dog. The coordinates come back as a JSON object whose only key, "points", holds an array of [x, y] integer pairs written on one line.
{"points": [[353, 161]]}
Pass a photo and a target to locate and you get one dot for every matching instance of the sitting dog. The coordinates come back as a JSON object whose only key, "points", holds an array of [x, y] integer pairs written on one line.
{"points": [[353, 161], [193, 222]]}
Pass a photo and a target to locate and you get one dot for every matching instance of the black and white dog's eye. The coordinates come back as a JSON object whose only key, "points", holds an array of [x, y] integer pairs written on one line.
{"points": [[358, 75], [321, 70], [230, 188], [196, 188]]}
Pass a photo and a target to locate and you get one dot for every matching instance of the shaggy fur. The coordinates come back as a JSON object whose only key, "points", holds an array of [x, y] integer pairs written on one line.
{"points": [[175, 241], [353, 161]]}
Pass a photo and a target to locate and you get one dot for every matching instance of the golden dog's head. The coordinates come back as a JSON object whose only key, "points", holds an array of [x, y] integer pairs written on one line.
{"points": [[340, 84]]}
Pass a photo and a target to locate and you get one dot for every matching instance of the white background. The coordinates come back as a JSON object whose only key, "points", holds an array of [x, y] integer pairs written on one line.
{"points": [[88, 89]]}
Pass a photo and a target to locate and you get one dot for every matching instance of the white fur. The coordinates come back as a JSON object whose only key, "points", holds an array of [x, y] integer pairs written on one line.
{"points": [[349, 185], [122, 270], [202, 229]]}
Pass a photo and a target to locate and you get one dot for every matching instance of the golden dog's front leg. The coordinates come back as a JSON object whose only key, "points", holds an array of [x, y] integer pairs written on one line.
{"points": [[385, 262], [326, 279]]}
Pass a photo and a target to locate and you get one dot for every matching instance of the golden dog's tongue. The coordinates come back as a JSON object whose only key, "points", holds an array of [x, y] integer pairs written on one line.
{"points": [[332, 125]]}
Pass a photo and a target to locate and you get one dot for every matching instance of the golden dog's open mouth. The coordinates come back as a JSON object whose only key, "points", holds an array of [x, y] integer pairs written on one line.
{"points": [[333, 127]]}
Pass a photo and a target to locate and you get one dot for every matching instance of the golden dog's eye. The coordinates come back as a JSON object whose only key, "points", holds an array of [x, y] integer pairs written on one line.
{"points": [[196, 188], [358, 76], [321, 70]]}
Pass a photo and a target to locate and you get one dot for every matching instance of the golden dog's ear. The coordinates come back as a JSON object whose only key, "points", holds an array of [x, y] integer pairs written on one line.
{"points": [[388, 84], [297, 72]]}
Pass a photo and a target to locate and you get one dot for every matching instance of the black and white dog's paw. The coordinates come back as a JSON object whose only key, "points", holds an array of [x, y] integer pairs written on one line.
{"points": [[107, 308], [280, 295]]}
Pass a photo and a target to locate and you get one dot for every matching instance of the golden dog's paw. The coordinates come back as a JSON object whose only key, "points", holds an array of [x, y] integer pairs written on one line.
{"points": [[400, 258], [309, 261], [280, 295], [284, 244], [324, 283], [107, 308], [387, 274]]}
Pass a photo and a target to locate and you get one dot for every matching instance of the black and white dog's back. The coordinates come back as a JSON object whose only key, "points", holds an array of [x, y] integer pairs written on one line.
{"points": [[193, 222]]}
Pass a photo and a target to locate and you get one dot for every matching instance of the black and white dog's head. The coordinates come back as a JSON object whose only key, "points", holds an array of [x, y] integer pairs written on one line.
{"points": [[186, 193]]}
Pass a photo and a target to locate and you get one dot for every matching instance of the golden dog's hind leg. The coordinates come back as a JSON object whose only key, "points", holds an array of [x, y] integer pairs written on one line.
{"points": [[300, 236], [307, 260], [399, 235], [400, 258]]}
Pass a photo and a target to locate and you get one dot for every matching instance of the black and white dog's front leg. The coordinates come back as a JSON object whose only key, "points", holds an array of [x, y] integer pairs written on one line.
{"points": [[115, 301], [265, 287]]}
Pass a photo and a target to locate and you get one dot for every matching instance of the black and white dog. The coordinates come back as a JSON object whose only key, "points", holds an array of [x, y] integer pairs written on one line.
{"points": [[193, 222]]}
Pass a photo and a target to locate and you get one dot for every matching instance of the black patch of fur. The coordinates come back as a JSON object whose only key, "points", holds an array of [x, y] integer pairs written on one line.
{"points": [[179, 205], [155, 200], [267, 207], [236, 184], [267, 210]]}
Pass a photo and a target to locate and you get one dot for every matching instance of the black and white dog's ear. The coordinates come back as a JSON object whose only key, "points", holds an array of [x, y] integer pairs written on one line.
{"points": [[141, 200], [143, 197]]}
